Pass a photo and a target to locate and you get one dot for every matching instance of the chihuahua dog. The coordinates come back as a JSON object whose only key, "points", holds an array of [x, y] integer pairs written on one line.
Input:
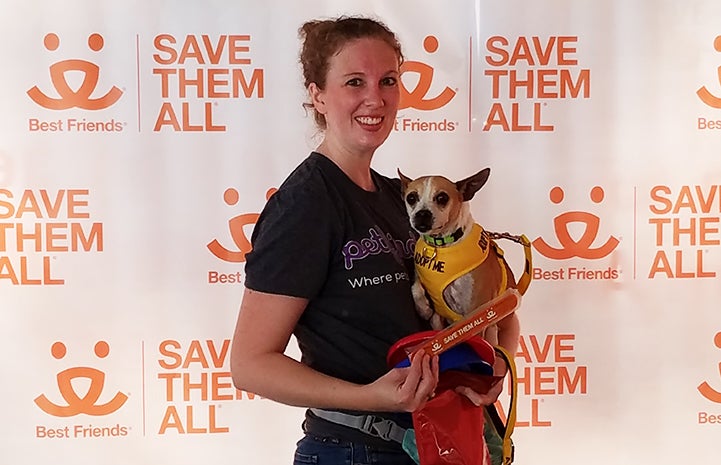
{"points": [[458, 264]]}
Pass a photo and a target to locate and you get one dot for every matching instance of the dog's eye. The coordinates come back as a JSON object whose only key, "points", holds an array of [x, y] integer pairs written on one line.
{"points": [[441, 199], [412, 198]]}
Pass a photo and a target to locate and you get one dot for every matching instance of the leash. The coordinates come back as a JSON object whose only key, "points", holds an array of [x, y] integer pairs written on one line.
{"points": [[525, 280], [505, 430]]}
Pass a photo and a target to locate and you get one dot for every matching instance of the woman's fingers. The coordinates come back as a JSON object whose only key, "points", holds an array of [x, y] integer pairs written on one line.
{"points": [[478, 398], [408, 389], [475, 398], [421, 380]]}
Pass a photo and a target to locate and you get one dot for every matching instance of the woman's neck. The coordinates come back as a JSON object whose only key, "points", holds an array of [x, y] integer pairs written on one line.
{"points": [[356, 166]]}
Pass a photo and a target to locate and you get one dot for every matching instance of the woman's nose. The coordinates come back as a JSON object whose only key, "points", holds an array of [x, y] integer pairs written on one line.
{"points": [[374, 96]]}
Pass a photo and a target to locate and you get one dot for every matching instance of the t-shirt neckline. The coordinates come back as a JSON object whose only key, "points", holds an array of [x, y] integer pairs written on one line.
{"points": [[341, 175]]}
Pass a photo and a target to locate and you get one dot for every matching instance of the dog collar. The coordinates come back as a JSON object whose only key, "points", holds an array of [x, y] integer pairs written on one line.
{"points": [[438, 241]]}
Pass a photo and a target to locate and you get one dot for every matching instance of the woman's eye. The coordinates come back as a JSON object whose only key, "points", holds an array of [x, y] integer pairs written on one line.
{"points": [[389, 81], [355, 82]]}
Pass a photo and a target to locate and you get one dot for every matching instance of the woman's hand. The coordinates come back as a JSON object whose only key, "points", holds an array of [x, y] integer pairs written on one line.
{"points": [[407, 389], [479, 399], [491, 396]]}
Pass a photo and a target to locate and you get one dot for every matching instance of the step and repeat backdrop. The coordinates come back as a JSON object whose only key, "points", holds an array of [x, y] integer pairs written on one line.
{"points": [[139, 141]]}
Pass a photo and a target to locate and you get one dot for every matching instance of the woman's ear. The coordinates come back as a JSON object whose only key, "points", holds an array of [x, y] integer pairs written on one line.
{"points": [[317, 97]]}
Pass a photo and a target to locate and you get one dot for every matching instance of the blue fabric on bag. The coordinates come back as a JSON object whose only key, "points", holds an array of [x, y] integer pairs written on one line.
{"points": [[461, 357]]}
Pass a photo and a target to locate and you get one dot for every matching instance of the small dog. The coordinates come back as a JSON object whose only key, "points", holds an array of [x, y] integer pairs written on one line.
{"points": [[458, 264]]}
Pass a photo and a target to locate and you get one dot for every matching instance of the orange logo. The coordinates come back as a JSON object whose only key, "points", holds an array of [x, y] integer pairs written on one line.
{"points": [[417, 97], [569, 247], [705, 388], [707, 97], [237, 226], [80, 98], [75, 403]]}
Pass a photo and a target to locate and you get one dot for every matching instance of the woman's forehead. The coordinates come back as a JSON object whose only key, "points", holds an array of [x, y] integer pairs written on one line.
{"points": [[363, 54]]}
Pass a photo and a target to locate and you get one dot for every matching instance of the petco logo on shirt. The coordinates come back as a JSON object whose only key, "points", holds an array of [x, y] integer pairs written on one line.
{"points": [[69, 400], [196, 73], [710, 93], [74, 84], [592, 243], [425, 95], [526, 73], [36, 225]]}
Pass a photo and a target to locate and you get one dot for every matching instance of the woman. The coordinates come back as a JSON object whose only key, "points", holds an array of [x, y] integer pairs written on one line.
{"points": [[332, 263]]}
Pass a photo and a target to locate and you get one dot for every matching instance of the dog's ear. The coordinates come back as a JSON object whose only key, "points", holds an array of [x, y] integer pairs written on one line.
{"points": [[404, 180], [469, 186]]}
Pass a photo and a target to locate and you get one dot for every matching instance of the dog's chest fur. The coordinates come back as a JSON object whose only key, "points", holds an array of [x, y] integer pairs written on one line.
{"points": [[459, 294]]}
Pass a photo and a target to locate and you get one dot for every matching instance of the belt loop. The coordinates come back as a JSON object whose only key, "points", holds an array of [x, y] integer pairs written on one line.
{"points": [[359, 453]]}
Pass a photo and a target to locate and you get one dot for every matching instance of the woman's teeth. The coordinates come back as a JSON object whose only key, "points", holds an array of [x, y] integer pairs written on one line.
{"points": [[369, 120]]}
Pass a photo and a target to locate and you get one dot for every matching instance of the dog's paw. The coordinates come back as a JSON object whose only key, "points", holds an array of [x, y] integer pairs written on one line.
{"points": [[437, 322], [423, 306]]}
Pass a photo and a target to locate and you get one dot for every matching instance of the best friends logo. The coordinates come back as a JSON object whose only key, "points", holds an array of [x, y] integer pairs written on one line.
{"points": [[705, 388], [92, 402], [85, 96], [711, 393], [240, 228], [710, 98], [583, 248], [419, 93]]}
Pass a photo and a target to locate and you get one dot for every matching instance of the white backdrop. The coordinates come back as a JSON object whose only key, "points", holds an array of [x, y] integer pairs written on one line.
{"points": [[138, 141]]}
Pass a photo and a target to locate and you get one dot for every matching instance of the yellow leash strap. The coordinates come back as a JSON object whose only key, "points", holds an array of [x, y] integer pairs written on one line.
{"points": [[525, 279], [506, 430]]}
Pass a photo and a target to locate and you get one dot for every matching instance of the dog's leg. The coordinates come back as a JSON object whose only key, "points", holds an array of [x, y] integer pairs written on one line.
{"points": [[423, 306], [437, 321]]}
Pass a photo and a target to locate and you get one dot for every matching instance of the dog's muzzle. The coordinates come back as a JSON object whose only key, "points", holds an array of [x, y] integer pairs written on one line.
{"points": [[423, 220]]}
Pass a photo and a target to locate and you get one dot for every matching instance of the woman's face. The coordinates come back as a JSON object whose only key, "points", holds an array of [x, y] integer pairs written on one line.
{"points": [[361, 95]]}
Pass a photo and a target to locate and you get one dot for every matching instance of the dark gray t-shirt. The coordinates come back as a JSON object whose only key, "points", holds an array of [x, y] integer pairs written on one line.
{"points": [[350, 252]]}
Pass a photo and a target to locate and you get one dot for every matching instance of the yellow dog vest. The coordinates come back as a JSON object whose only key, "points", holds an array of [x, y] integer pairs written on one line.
{"points": [[437, 267]]}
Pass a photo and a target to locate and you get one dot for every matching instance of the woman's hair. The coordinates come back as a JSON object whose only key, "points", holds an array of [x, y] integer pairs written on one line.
{"points": [[323, 39]]}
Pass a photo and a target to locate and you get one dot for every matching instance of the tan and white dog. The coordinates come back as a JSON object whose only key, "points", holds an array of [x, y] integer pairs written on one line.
{"points": [[458, 264]]}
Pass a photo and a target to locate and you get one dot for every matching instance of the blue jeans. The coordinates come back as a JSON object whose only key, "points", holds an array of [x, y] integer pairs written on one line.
{"points": [[330, 451]]}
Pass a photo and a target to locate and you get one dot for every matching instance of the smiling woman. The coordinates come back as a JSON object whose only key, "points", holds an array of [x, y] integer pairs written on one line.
{"points": [[354, 91], [314, 271], [359, 101]]}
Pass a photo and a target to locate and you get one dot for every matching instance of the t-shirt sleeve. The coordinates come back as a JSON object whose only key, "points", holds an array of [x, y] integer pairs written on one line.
{"points": [[291, 245]]}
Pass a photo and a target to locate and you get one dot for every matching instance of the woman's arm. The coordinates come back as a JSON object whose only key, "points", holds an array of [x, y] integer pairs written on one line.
{"points": [[509, 333], [258, 364]]}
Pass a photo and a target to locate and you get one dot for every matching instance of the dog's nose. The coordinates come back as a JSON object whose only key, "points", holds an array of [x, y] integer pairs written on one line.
{"points": [[423, 220]]}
